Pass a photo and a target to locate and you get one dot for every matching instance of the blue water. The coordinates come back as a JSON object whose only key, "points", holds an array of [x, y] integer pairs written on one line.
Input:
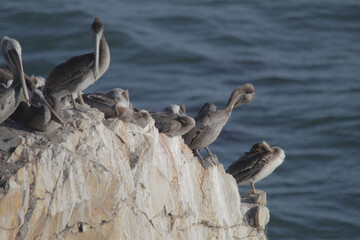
{"points": [[303, 58]]}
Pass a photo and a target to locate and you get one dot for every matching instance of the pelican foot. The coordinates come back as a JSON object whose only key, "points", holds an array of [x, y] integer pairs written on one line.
{"points": [[210, 160], [82, 107]]}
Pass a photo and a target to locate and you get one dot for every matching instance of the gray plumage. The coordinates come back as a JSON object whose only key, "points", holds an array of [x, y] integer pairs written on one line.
{"points": [[173, 121], [116, 104], [210, 122], [10, 96], [41, 115], [257, 164], [76, 74]]}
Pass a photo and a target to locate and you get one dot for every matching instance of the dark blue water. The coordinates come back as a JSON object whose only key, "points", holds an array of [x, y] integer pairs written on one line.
{"points": [[303, 58]]}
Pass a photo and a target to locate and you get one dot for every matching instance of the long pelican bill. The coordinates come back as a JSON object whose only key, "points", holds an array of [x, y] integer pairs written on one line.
{"points": [[55, 115], [17, 62], [97, 37]]}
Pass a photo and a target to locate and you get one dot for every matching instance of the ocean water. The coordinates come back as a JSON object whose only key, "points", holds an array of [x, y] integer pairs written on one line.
{"points": [[303, 58]]}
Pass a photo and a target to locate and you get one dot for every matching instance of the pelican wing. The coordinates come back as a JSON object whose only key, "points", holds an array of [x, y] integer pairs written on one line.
{"points": [[70, 70], [203, 125], [5, 75], [248, 165], [166, 122], [98, 98]]}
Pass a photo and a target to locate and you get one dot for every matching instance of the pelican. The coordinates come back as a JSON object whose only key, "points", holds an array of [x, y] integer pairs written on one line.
{"points": [[210, 122], [257, 164], [115, 103], [40, 116], [6, 77], [11, 96], [78, 73], [173, 121]]}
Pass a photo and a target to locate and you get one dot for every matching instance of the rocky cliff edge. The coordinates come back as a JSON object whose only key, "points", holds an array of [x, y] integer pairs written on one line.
{"points": [[106, 179]]}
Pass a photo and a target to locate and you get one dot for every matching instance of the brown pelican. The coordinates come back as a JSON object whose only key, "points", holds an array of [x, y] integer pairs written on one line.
{"points": [[115, 103], [257, 164], [11, 96], [173, 121], [140, 118], [41, 115], [76, 74], [210, 122]]}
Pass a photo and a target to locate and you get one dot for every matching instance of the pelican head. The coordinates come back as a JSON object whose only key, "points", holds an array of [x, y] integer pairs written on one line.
{"points": [[123, 102], [173, 108], [242, 95], [97, 27], [261, 147], [11, 51]]}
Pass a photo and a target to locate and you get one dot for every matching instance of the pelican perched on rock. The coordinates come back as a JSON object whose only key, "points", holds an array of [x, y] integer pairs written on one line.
{"points": [[210, 122], [78, 73], [173, 121], [10, 96], [41, 115], [257, 164], [115, 103]]}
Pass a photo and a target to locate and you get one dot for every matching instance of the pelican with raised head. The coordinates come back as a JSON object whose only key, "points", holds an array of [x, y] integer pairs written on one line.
{"points": [[173, 121], [10, 96], [257, 164], [210, 122], [78, 73]]}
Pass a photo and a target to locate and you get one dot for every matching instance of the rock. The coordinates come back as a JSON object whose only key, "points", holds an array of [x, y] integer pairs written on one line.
{"points": [[254, 208], [106, 179], [254, 198], [262, 217]]}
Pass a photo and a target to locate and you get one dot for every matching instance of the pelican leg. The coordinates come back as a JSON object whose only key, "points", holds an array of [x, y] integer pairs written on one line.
{"points": [[252, 187], [208, 151], [82, 107], [73, 101], [211, 158], [80, 98], [198, 154]]}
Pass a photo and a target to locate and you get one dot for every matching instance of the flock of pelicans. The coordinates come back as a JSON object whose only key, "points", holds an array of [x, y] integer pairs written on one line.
{"points": [[38, 104]]}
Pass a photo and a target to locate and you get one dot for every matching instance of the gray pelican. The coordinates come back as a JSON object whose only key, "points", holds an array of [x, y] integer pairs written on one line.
{"points": [[41, 115], [173, 121], [78, 73], [257, 164], [115, 103], [210, 122], [11, 96]]}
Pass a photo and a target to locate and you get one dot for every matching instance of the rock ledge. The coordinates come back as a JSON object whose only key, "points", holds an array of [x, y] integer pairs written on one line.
{"points": [[105, 179]]}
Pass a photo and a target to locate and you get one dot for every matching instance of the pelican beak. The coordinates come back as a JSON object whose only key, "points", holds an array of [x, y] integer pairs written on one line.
{"points": [[182, 110], [96, 39], [54, 114], [17, 62], [126, 94], [245, 99]]}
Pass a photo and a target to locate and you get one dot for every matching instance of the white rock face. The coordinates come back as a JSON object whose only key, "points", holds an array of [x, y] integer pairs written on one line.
{"points": [[105, 179]]}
